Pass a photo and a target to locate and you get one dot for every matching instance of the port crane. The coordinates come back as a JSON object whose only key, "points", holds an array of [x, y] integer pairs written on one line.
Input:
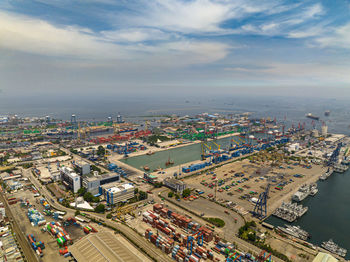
{"points": [[203, 145], [196, 236], [260, 209], [264, 256], [334, 155], [234, 257], [217, 145]]}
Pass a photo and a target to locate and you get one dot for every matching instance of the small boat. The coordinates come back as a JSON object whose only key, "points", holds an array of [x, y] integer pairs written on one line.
{"points": [[169, 162], [146, 168], [157, 169], [149, 153]]}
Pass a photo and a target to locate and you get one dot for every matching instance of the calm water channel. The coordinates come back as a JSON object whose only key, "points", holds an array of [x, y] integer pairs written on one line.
{"points": [[180, 155], [329, 212]]}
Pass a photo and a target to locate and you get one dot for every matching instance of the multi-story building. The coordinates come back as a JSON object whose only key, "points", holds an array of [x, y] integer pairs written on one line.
{"points": [[83, 167], [92, 184], [174, 184], [115, 193], [70, 179]]}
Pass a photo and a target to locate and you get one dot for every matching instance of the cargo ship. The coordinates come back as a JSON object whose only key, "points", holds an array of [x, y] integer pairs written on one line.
{"points": [[334, 248], [326, 174], [302, 193], [311, 116], [294, 231]]}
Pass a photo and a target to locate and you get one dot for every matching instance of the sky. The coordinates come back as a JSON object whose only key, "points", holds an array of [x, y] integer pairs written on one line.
{"points": [[109, 47]]}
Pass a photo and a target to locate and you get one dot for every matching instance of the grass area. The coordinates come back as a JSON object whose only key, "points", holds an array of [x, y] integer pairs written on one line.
{"points": [[216, 221]]}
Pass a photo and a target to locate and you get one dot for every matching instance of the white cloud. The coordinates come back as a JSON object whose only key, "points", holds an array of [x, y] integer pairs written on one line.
{"points": [[197, 16], [313, 11], [339, 38], [36, 36], [136, 35]]}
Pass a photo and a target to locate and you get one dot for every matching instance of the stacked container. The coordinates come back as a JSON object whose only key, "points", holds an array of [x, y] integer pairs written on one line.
{"points": [[59, 233]]}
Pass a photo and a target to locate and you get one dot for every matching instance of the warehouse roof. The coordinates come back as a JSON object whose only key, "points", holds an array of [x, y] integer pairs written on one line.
{"points": [[324, 257], [105, 246]]}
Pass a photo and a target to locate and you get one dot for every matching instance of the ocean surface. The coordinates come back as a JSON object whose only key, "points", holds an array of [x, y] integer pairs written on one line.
{"points": [[290, 110], [329, 213]]}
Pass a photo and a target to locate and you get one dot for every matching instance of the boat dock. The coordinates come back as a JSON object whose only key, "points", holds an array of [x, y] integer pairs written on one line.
{"points": [[290, 211]]}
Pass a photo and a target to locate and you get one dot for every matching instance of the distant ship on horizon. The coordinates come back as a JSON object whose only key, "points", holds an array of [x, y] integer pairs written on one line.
{"points": [[327, 113], [309, 115]]}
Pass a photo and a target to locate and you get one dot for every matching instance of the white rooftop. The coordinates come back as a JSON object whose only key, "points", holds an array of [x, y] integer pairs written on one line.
{"points": [[118, 189]]}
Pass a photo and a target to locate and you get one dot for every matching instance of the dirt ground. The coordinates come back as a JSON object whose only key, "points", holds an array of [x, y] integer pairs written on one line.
{"points": [[51, 251], [20, 213]]}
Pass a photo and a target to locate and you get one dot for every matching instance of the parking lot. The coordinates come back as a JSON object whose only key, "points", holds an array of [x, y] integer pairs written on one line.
{"points": [[239, 184]]}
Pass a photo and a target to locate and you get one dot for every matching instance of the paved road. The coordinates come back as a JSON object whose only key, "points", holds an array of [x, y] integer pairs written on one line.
{"points": [[227, 233], [21, 238], [141, 242]]}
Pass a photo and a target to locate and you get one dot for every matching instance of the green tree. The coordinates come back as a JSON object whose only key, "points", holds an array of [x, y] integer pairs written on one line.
{"points": [[171, 194], [100, 208], [81, 191], [109, 216], [136, 190], [77, 213], [95, 199], [142, 195], [158, 185], [177, 196], [101, 151], [88, 197], [186, 192], [252, 236]]}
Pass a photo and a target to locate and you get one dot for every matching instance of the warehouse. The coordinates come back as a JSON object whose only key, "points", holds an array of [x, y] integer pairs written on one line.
{"points": [[105, 246]]}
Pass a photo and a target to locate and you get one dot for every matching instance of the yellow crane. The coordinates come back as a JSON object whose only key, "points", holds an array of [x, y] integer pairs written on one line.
{"points": [[147, 125], [234, 141], [240, 139], [217, 145], [203, 145]]}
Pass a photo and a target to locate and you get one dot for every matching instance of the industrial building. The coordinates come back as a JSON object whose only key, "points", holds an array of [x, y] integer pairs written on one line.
{"points": [[70, 179], [105, 246], [174, 184], [92, 184], [115, 193], [83, 167], [324, 257]]}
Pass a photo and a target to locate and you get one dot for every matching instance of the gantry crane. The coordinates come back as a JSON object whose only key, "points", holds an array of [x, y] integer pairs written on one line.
{"points": [[260, 209]]}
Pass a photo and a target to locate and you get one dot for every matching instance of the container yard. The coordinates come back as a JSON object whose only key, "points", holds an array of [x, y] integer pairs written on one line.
{"points": [[37, 246], [184, 239], [35, 217]]}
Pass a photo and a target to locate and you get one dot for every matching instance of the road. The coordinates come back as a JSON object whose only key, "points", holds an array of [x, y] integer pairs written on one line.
{"points": [[135, 237], [141, 242], [21, 238], [228, 232]]}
